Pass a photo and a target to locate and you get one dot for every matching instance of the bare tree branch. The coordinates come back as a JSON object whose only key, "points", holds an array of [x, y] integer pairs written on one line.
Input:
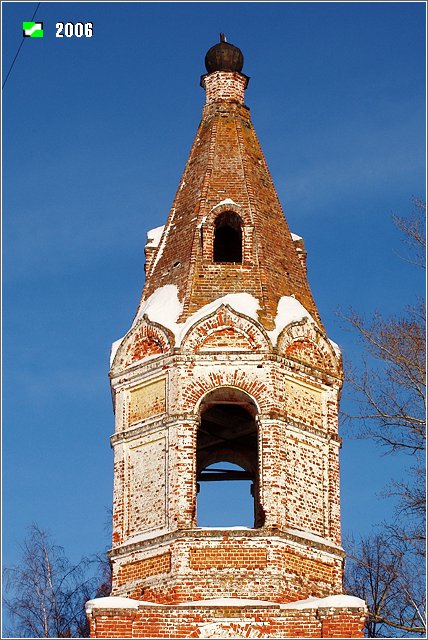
{"points": [[382, 571], [387, 391], [413, 228], [46, 594]]}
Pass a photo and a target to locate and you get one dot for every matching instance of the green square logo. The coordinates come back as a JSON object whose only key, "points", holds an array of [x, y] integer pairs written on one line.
{"points": [[32, 29]]}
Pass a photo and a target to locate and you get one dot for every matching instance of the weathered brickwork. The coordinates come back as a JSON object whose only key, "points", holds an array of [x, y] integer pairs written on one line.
{"points": [[312, 569], [225, 330], [262, 564], [223, 85], [305, 343], [305, 351], [147, 401], [251, 379], [227, 163], [303, 402], [305, 502], [144, 568], [227, 557], [149, 621], [144, 341], [225, 338], [145, 469]]}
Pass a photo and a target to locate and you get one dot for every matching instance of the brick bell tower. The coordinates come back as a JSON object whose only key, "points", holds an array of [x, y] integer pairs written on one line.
{"points": [[227, 361]]}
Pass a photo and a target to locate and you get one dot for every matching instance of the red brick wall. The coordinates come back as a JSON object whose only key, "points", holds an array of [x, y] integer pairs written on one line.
{"points": [[341, 625], [144, 568], [264, 565], [227, 622], [311, 569], [227, 556], [224, 86]]}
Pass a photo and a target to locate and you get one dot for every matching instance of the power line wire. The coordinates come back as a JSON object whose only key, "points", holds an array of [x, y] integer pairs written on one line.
{"points": [[19, 49]]}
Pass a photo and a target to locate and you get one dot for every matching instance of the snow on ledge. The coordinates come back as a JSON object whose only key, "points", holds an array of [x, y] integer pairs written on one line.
{"points": [[154, 236], [113, 602], [336, 349], [114, 347], [148, 535], [288, 310], [295, 237], [161, 239], [164, 307], [331, 602], [339, 601], [233, 528], [226, 201], [229, 602], [308, 535]]}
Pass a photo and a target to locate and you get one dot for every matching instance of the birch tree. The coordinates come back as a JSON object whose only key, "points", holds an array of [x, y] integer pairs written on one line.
{"points": [[46, 593]]}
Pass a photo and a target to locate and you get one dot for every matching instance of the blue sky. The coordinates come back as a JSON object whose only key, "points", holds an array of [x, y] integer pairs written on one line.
{"points": [[96, 136]]}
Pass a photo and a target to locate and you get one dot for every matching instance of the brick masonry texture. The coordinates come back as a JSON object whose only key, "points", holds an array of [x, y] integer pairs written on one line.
{"points": [[226, 162], [145, 568], [227, 622], [147, 401], [226, 393], [263, 564], [224, 86], [227, 557]]}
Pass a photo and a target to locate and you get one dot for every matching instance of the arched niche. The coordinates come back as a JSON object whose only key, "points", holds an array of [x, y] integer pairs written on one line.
{"points": [[225, 329], [145, 340], [305, 343]]}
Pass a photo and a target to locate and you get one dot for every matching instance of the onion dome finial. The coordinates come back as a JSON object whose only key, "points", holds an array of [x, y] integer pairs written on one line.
{"points": [[224, 56]]}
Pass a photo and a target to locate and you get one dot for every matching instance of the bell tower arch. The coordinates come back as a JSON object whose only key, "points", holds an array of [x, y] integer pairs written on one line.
{"points": [[228, 433]]}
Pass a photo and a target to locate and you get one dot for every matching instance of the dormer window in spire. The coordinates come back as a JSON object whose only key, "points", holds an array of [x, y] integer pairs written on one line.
{"points": [[227, 238]]}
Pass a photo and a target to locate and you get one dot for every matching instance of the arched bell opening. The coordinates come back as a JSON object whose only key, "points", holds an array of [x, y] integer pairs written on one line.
{"points": [[228, 461]]}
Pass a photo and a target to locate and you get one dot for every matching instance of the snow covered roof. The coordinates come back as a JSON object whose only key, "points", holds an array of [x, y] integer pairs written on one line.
{"points": [[336, 348], [289, 310], [308, 535], [165, 308]]}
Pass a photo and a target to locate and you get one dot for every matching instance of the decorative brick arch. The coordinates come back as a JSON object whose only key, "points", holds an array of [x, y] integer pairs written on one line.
{"points": [[208, 227], [229, 393], [304, 342], [229, 630], [195, 390], [145, 339], [225, 329], [223, 207]]}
